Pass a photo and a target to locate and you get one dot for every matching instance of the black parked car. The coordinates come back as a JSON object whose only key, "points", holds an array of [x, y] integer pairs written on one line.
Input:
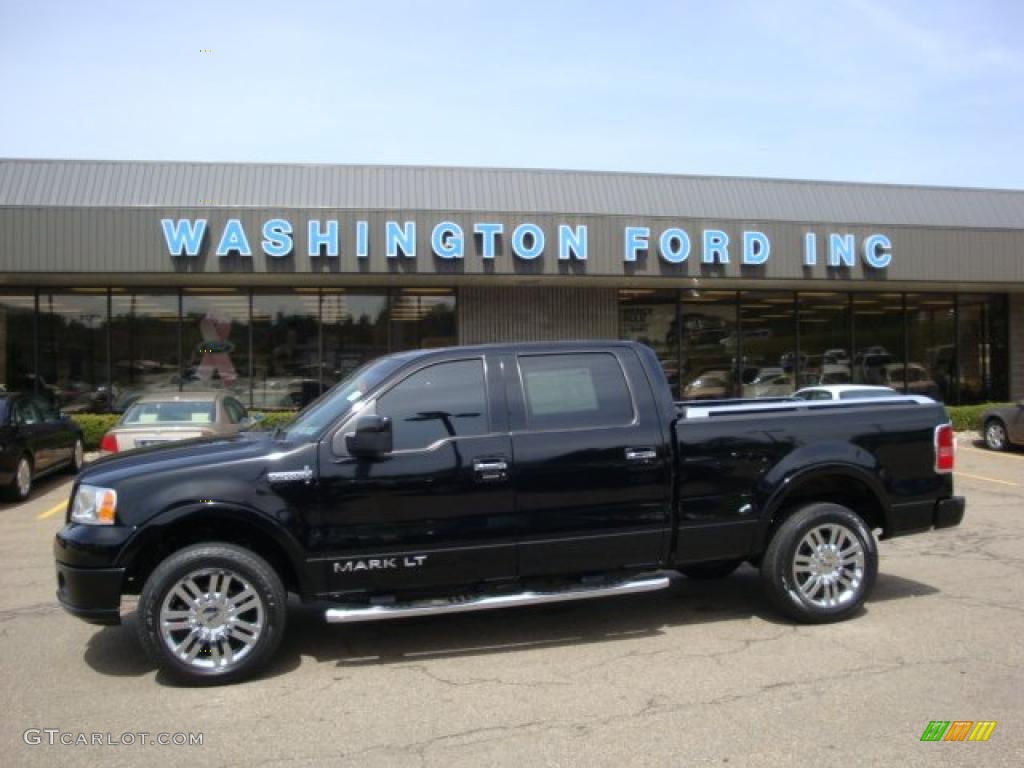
{"points": [[35, 440]]}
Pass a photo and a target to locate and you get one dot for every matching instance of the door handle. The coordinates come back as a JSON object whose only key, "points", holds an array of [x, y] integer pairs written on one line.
{"points": [[642, 455], [490, 470]]}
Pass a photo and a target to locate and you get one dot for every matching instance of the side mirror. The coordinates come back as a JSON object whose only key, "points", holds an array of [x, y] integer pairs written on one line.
{"points": [[371, 438]]}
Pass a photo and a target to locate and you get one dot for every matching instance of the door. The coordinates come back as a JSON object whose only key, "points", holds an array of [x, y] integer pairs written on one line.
{"points": [[1015, 425], [438, 508], [591, 464], [58, 439], [32, 432]]}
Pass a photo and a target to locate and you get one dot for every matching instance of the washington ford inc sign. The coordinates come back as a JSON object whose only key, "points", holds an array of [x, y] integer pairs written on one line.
{"points": [[324, 239]]}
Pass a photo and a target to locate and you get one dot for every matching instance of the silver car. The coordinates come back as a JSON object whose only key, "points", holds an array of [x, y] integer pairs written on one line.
{"points": [[1003, 426], [164, 417]]}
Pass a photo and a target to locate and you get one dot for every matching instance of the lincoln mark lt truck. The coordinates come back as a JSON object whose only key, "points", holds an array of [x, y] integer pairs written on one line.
{"points": [[474, 478]]}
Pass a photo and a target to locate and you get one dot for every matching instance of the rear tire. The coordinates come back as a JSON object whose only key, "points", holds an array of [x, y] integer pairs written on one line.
{"points": [[717, 569], [212, 614], [821, 564], [995, 435], [20, 487]]}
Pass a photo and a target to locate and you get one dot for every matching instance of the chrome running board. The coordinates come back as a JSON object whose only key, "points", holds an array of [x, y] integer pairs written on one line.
{"points": [[353, 614]]}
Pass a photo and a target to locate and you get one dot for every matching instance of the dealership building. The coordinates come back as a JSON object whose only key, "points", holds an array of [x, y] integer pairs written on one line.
{"points": [[118, 278]]}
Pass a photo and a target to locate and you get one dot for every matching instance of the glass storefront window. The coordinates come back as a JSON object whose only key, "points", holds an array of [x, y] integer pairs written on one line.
{"points": [[652, 318], [931, 354], [215, 334], [824, 338], [73, 350], [144, 345], [710, 345], [17, 355], [878, 339], [285, 349], [422, 318], [983, 349], [770, 361], [355, 330]]}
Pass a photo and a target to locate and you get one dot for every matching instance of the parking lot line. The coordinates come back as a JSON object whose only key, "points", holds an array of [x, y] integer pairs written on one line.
{"points": [[53, 511], [986, 479]]}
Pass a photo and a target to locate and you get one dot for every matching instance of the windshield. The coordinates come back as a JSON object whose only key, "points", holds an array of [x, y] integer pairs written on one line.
{"points": [[340, 398], [170, 413]]}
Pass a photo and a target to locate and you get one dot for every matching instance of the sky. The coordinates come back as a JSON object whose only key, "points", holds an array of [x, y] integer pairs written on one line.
{"points": [[900, 91]]}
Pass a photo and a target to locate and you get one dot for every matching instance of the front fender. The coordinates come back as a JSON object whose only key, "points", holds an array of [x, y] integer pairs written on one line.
{"points": [[239, 516]]}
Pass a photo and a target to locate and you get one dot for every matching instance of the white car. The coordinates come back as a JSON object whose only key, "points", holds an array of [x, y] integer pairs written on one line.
{"points": [[845, 392]]}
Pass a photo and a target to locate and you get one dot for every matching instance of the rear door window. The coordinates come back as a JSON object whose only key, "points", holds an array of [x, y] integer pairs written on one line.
{"points": [[573, 391]]}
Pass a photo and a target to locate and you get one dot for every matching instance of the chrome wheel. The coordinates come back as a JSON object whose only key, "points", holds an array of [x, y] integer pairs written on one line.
{"points": [[995, 436], [78, 458], [23, 477], [212, 619], [828, 566]]}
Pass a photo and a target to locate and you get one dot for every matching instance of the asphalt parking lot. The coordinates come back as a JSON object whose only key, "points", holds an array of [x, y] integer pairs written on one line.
{"points": [[701, 674]]}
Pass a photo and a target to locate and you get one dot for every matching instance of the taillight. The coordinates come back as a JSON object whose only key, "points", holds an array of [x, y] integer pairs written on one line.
{"points": [[109, 443], [945, 448]]}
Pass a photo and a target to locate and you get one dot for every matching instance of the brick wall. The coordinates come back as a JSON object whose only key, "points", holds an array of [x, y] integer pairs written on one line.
{"points": [[528, 313], [1016, 346]]}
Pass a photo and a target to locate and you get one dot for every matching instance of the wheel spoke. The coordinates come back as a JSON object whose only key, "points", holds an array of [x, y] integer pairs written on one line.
{"points": [[215, 656], [244, 638], [182, 594], [247, 606], [245, 625], [175, 625]]}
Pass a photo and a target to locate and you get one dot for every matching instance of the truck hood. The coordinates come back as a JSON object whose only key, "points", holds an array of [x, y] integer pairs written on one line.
{"points": [[199, 456]]}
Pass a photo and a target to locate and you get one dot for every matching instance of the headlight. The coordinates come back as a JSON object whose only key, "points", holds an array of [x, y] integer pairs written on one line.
{"points": [[94, 505]]}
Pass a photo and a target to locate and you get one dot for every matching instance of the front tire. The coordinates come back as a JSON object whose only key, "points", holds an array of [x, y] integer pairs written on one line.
{"points": [[995, 435], [821, 564], [77, 457], [212, 614]]}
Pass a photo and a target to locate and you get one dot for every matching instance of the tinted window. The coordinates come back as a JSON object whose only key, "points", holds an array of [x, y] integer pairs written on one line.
{"points": [[566, 391], [25, 412], [234, 410], [46, 410], [338, 400], [170, 413], [442, 401]]}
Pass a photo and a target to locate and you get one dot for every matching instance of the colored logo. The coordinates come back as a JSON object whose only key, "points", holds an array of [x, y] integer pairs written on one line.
{"points": [[958, 730]]}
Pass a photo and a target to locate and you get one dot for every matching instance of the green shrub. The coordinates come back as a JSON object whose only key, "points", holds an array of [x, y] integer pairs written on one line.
{"points": [[273, 419], [94, 426], [967, 418]]}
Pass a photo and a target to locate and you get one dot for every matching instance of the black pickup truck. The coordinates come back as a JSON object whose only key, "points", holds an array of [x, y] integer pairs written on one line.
{"points": [[482, 477]]}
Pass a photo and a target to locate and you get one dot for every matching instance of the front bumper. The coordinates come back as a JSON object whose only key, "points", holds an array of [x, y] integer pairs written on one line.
{"points": [[923, 516], [89, 583], [91, 594]]}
